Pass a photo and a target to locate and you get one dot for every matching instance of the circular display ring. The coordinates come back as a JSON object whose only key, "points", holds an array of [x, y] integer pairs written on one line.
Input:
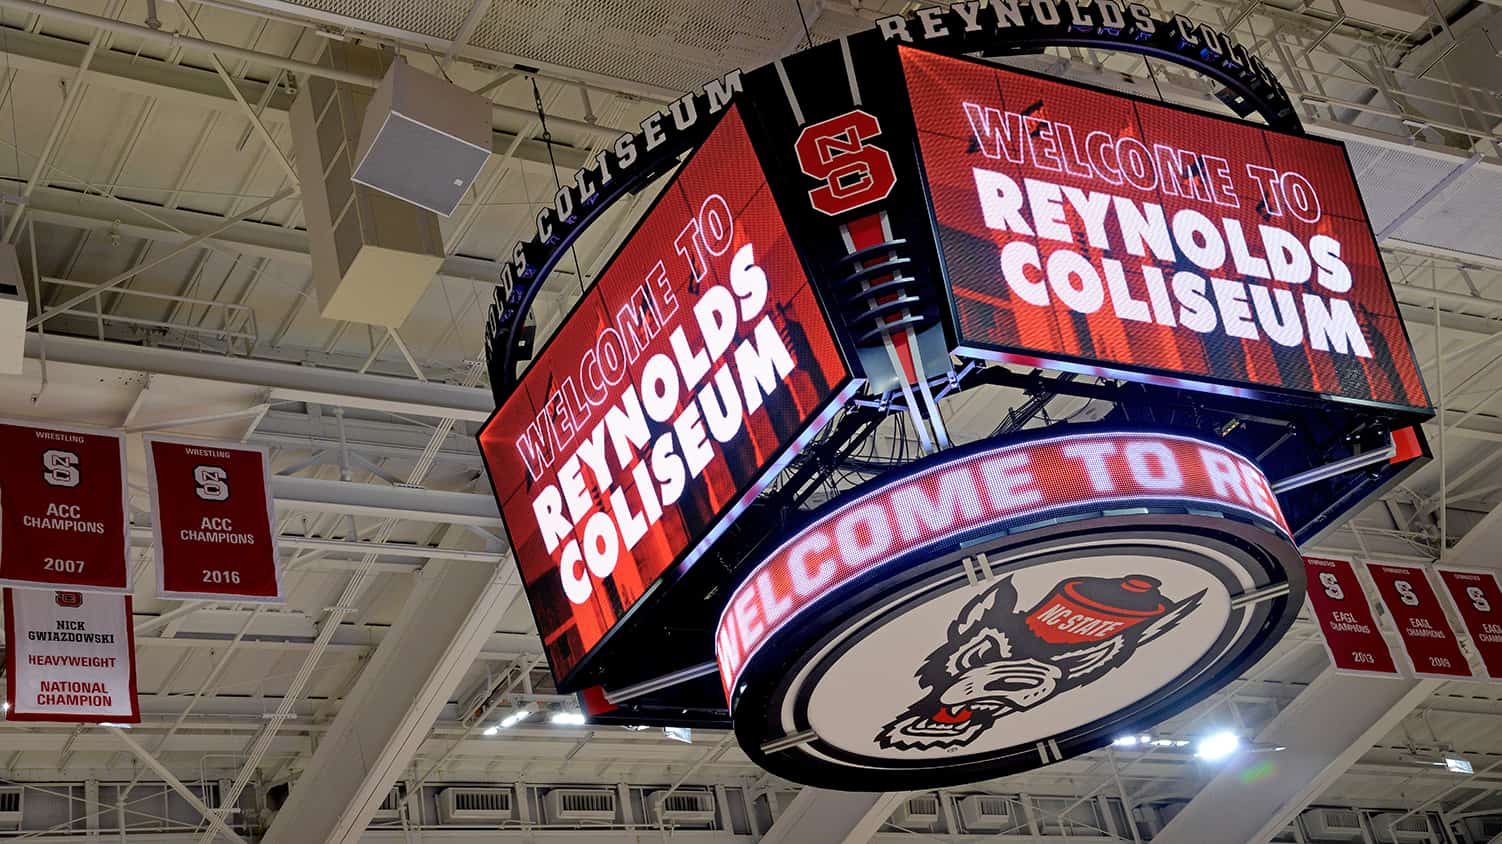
{"points": [[1060, 641]]}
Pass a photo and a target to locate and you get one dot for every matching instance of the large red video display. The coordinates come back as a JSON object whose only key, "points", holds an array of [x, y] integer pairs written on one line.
{"points": [[1104, 233], [684, 378], [1004, 484]]}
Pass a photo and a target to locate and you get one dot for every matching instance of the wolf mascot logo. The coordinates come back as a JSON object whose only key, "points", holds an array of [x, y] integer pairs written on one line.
{"points": [[999, 660]]}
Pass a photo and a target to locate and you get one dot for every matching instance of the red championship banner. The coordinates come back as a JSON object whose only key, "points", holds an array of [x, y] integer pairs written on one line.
{"points": [[1478, 599], [1430, 642], [63, 518], [1339, 604], [69, 656], [692, 370], [1103, 233], [212, 520]]}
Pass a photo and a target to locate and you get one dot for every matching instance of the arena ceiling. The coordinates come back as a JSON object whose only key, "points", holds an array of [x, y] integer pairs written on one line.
{"points": [[158, 212]]}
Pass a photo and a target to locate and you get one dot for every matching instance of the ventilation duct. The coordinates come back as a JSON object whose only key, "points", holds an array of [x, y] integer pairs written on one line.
{"points": [[485, 806], [682, 808]]}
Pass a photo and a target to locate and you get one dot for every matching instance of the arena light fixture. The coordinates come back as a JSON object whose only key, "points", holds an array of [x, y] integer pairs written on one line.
{"points": [[1459, 766], [509, 721], [1217, 746], [1142, 740]]}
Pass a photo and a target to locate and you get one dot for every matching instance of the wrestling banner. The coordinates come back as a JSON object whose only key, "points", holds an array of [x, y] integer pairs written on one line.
{"points": [[63, 519], [212, 518], [69, 656]]}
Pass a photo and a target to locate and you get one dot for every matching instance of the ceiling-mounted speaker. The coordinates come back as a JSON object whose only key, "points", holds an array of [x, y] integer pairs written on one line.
{"points": [[423, 140], [373, 254], [12, 311]]}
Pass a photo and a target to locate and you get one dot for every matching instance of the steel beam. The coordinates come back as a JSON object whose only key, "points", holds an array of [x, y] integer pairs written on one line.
{"points": [[179, 248], [115, 215], [47, 55], [174, 39], [286, 382], [217, 827], [1418, 204], [74, 88], [1325, 730], [386, 717], [464, 508], [833, 817]]}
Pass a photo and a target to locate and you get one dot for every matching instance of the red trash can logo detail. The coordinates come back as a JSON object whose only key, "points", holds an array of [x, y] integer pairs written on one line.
{"points": [[998, 660]]}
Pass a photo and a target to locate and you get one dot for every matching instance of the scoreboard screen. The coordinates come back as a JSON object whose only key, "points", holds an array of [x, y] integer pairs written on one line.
{"points": [[1087, 230], [859, 215], [696, 471], [686, 375]]}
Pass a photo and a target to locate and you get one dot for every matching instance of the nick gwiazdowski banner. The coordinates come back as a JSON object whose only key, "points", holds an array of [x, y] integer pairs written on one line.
{"points": [[69, 656]]}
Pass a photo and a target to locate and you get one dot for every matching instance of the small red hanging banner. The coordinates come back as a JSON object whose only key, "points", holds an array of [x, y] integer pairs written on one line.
{"points": [[1431, 644], [69, 656], [63, 519], [1352, 638], [1478, 599], [212, 518]]}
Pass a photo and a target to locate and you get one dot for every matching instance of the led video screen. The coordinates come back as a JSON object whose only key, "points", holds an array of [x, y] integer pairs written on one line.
{"points": [[1108, 234], [687, 375]]}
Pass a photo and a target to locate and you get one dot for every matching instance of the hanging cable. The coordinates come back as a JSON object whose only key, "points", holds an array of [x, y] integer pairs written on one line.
{"points": [[808, 36], [547, 140]]}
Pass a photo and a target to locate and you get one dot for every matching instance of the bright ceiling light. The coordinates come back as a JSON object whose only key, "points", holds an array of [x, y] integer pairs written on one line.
{"points": [[1217, 746], [567, 719], [1125, 741], [1459, 766], [514, 718], [4, 706]]}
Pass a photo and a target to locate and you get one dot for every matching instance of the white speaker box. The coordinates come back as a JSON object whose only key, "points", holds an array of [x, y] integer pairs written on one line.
{"points": [[373, 255], [423, 139]]}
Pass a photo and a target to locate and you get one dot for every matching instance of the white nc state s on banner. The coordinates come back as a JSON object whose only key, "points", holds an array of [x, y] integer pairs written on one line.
{"points": [[70, 656]]}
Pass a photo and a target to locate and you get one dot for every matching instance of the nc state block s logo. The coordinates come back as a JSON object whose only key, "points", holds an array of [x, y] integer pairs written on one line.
{"points": [[998, 660], [854, 173]]}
